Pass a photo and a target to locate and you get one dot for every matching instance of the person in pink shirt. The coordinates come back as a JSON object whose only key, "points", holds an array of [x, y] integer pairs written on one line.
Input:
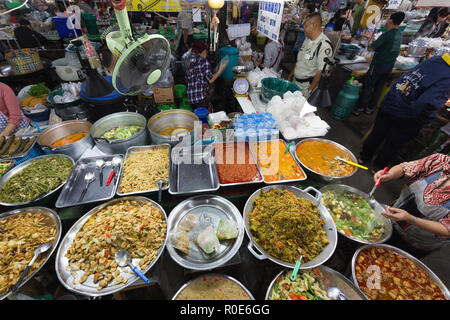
{"points": [[11, 116], [421, 214]]}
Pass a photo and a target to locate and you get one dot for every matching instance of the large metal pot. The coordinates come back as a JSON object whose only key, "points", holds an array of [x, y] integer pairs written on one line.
{"points": [[170, 119], [319, 176], [60, 130], [119, 119], [329, 227]]}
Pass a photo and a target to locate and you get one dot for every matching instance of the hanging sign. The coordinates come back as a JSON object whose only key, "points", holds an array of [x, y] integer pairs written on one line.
{"points": [[394, 4], [269, 18], [156, 5]]}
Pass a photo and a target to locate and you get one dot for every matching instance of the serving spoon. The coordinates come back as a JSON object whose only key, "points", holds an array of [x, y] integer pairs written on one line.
{"points": [[160, 183], [100, 164], [336, 294], [88, 178], [39, 250], [123, 259]]}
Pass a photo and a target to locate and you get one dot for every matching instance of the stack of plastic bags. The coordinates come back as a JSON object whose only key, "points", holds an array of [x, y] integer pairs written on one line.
{"points": [[255, 76], [245, 53], [296, 116], [71, 92]]}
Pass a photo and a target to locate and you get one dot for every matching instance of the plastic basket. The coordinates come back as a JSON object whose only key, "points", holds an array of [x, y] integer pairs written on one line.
{"points": [[24, 61], [180, 90], [33, 153], [276, 87]]}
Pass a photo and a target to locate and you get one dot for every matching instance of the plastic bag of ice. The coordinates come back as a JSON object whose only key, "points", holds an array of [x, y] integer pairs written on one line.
{"points": [[290, 133]]}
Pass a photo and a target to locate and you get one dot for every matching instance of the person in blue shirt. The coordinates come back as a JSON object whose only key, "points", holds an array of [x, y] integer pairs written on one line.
{"points": [[413, 101]]}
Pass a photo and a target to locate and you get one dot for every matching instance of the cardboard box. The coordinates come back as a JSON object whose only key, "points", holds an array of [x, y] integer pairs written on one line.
{"points": [[164, 95]]}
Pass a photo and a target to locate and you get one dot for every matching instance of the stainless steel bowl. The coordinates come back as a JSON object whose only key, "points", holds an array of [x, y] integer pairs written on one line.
{"points": [[330, 278], [111, 121], [329, 227], [319, 176], [57, 223], [212, 208], [22, 166], [213, 275], [60, 130], [170, 119], [378, 210], [90, 289], [6, 71], [416, 261]]}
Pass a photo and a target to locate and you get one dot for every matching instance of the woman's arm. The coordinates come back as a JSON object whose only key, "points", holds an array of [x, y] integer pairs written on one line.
{"points": [[435, 227], [394, 173], [222, 67], [8, 129]]}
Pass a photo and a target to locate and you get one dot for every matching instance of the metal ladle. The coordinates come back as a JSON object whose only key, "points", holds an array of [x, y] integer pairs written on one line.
{"points": [[336, 294], [160, 183], [41, 249], [88, 178], [100, 164], [123, 259]]}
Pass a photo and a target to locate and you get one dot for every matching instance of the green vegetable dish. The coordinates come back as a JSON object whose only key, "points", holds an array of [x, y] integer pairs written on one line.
{"points": [[39, 178], [121, 132], [38, 90], [307, 286], [353, 215]]}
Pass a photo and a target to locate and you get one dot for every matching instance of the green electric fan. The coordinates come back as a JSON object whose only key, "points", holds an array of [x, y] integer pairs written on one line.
{"points": [[141, 61]]}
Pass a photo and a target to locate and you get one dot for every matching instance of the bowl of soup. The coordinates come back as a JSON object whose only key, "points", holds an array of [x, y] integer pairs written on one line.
{"points": [[70, 137], [318, 157]]}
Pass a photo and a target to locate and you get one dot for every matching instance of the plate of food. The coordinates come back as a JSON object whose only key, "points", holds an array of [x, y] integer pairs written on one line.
{"points": [[85, 261], [205, 232]]}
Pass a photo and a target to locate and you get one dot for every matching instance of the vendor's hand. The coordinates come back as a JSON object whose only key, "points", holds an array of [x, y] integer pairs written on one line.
{"points": [[384, 177], [396, 214], [223, 65]]}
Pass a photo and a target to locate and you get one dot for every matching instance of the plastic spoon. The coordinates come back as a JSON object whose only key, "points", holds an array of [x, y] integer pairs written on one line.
{"points": [[372, 202], [350, 162], [123, 259], [296, 268], [41, 249], [88, 178], [336, 294]]}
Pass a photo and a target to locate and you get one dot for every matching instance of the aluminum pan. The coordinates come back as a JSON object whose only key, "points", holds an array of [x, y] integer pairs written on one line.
{"points": [[331, 278], [213, 275], [216, 207], [132, 150], [416, 261], [293, 158], [22, 166], [75, 184], [254, 159], [206, 155], [319, 175], [61, 262], [329, 227], [57, 221], [378, 210]]}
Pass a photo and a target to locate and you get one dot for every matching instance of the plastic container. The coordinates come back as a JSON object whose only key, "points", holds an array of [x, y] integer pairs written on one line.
{"points": [[63, 31], [91, 23], [202, 114], [233, 58], [180, 91], [271, 87], [345, 101], [39, 116]]}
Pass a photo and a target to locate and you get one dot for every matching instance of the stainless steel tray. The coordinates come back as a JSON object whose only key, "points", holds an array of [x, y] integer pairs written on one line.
{"points": [[320, 176], [329, 227], [25, 152], [330, 278], [378, 210], [193, 170], [213, 275], [293, 158], [137, 149], [416, 261], [89, 288], [261, 179], [57, 222], [208, 209], [75, 185], [22, 166]]}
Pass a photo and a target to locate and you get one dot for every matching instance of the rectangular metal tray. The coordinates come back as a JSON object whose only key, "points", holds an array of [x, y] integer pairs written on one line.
{"points": [[24, 152], [254, 159], [71, 192], [293, 158], [137, 149], [196, 176]]}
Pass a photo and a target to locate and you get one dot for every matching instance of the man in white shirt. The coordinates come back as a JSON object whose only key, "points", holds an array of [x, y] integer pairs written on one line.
{"points": [[185, 22]]}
